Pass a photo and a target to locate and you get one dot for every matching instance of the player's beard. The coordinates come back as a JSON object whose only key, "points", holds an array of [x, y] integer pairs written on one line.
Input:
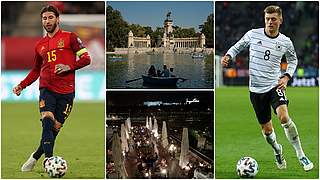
{"points": [[54, 26]]}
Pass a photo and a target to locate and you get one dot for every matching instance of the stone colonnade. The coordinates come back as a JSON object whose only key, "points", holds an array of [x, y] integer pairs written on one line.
{"points": [[139, 42], [145, 42], [186, 42]]}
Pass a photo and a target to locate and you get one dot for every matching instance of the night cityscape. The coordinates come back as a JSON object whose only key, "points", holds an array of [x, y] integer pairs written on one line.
{"points": [[159, 134]]}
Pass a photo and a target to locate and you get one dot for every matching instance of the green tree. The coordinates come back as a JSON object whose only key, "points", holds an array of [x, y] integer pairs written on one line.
{"points": [[148, 30], [207, 30], [156, 37], [137, 30], [179, 32], [117, 29]]}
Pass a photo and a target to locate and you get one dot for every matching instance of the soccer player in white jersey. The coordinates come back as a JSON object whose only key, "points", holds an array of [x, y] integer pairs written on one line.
{"points": [[266, 82]]}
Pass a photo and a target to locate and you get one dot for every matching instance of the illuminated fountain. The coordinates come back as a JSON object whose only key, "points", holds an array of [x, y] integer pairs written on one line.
{"points": [[117, 156], [150, 124], [147, 122], [128, 124], [155, 128], [184, 160], [124, 141], [164, 135]]}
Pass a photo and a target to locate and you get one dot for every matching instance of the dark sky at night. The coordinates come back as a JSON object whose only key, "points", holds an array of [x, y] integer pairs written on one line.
{"points": [[123, 98]]}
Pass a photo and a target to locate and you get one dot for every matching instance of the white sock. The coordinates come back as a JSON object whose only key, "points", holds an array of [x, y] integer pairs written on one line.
{"points": [[291, 132], [272, 140]]}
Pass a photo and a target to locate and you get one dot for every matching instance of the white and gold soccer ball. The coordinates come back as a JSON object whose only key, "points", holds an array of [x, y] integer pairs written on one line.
{"points": [[55, 166], [247, 167]]}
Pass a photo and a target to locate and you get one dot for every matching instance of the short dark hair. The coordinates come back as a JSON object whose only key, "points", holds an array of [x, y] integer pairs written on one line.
{"points": [[273, 9], [50, 8]]}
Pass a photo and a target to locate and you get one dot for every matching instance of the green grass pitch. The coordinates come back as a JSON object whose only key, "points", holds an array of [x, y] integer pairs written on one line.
{"points": [[80, 142], [238, 134]]}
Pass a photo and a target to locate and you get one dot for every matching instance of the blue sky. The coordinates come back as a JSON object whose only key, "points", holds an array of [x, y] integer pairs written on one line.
{"points": [[185, 14]]}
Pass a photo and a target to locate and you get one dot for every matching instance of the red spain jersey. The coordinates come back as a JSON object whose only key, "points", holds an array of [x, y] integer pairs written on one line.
{"points": [[62, 48]]}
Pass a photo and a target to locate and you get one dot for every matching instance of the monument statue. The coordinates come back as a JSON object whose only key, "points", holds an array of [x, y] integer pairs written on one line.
{"points": [[168, 41], [168, 15]]}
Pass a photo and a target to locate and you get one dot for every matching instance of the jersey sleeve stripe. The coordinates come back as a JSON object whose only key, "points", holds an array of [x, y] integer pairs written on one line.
{"points": [[81, 51]]}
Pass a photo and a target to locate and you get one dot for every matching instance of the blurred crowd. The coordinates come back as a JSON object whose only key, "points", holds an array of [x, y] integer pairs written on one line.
{"points": [[21, 26], [234, 19], [79, 7], [310, 51], [11, 12]]}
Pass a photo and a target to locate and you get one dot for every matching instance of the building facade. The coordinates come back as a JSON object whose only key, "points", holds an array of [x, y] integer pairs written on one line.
{"points": [[138, 42], [168, 40]]}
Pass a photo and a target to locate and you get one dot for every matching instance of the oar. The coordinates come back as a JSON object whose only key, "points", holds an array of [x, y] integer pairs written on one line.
{"points": [[133, 80], [183, 79]]}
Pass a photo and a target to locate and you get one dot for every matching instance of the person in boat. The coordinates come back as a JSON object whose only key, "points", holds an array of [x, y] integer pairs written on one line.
{"points": [[165, 72], [171, 73], [152, 71], [159, 73]]}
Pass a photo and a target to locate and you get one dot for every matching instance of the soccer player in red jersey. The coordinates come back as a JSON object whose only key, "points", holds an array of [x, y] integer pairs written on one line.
{"points": [[55, 63]]}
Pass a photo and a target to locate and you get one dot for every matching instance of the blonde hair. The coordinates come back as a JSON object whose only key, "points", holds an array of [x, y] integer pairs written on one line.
{"points": [[273, 9]]}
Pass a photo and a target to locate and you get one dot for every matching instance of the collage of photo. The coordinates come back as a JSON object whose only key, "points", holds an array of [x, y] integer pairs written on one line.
{"points": [[159, 89]]}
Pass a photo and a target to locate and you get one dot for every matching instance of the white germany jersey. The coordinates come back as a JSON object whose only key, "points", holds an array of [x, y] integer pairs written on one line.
{"points": [[265, 54]]}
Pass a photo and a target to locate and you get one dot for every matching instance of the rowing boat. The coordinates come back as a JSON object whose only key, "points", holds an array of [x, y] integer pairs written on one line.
{"points": [[161, 81]]}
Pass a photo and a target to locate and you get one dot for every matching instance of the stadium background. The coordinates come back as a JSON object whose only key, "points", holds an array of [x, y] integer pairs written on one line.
{"points": [[21, 28], [233, 20], [237, 130]]}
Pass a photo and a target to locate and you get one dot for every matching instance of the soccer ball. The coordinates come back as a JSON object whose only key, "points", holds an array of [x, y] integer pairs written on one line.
{"points": [[247, 167], [55, 166]]}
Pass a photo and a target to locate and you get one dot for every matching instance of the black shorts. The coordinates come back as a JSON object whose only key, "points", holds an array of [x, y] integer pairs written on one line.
{"points": [[261, 103], [59, 104]]}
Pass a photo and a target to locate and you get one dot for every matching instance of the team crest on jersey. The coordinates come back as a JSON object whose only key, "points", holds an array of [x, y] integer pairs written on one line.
{"points": [[42, 48], [278, 46], [60, 43], [42, 103]]}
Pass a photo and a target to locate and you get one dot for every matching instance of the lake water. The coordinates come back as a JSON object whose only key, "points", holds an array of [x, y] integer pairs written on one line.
{"points": [[198, 72]]}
